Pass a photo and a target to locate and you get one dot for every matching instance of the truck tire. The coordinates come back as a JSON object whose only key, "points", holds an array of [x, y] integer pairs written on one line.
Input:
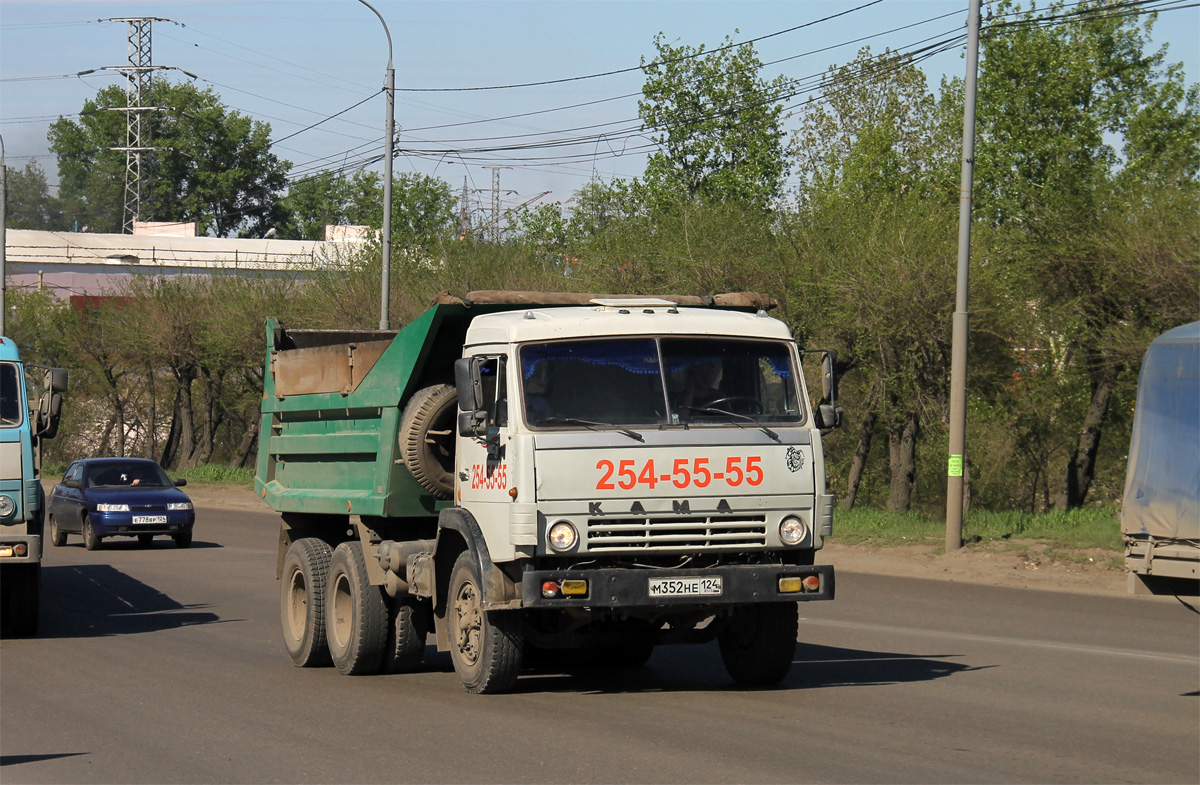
{"points": [[427, 433], [408, 625], [485, 646], [302, 601], [57, 535], [90, 540], [356, 618], [19, 598], [759, 643]]}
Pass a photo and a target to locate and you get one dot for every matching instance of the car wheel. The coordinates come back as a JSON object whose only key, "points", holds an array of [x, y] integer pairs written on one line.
{"points": [[145, 540], [759, 643], [302, 601], [485, 646], [356, 618], [183, 540], [57, 535], [90, 540]]}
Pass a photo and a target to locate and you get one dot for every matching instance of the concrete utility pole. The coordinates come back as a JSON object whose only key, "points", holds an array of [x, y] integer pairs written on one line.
{"points": [[3, 239], [137, 129], [389, 87], [958, 350]]}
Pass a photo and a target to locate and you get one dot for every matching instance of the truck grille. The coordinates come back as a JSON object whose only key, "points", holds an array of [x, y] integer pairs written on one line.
{"points": [[676, 533]]}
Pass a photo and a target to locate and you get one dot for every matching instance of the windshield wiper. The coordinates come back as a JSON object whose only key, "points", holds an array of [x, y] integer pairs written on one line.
{"points": [[711, 410], [592, 425]]}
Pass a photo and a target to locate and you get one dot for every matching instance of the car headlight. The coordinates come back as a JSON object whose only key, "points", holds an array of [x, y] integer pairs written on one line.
{"points": [[7, 506], [179, 505], [112, 507], [562, 536], [793, 530]]}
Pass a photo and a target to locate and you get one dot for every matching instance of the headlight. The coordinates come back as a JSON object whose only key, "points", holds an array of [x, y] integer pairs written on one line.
{"points": [[793, 530], [112, 507], [7, 506], [179, 505], [562, 536]]}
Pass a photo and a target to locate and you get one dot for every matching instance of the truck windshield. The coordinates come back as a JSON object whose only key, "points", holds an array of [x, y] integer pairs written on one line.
{"points": [[10, 395], [659, 381]]}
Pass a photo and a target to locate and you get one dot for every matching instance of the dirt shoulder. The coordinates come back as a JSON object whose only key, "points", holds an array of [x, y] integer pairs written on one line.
{"points": [[1028, 565]]}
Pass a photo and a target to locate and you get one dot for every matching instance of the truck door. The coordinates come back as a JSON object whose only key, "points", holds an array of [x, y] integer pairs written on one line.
{"points": [[484, 464]]}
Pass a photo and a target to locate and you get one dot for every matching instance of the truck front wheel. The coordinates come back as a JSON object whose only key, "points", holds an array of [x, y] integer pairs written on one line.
{"points": [[357, 618], [485, 646], [302, 601], [758, 644]]}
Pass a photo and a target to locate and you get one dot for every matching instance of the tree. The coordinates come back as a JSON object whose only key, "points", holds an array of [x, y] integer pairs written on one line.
{"points": [[331, 199], [30, 205], [1051, 177], [212, 165], [717, 122]]}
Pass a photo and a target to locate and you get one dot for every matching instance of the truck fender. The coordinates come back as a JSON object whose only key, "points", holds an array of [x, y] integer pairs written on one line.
{"points": [[458, 531]]}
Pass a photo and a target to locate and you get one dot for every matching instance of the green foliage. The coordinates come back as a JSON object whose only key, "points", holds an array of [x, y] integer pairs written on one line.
{"points": [[213, 166], [29, 203], [216, 474], [329, 199], [718, 124]]}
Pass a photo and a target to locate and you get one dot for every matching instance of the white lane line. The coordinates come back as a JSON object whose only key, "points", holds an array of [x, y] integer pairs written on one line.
{"points": [[1182, 659]]}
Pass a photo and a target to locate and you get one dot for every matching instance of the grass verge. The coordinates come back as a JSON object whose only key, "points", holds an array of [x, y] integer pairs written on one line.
{"points": [[1092, 527]]}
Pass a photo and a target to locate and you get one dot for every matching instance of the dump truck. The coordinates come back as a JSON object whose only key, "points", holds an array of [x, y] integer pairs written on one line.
{"points": [[1160, 508], [22, 498], [532, 476]]}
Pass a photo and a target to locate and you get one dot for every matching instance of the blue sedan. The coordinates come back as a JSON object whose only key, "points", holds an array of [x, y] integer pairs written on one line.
{"points": [[119, 497]]}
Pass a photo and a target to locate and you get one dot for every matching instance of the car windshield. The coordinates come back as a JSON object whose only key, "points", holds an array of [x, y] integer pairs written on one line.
{"points": [[628, 382], [128, 475]]}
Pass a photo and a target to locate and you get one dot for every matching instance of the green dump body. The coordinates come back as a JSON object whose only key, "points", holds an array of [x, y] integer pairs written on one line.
{"points": [[333, 400]]}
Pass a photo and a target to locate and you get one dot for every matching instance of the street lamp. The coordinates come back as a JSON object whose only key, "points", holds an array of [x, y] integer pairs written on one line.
{"points": [[389, 87]]}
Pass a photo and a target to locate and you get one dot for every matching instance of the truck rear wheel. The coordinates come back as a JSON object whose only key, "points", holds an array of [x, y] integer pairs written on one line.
{"points": [[408, 625], [427, 432], [356, 621], [302, 601], [485, 646], [19, 598], [759, 643]]}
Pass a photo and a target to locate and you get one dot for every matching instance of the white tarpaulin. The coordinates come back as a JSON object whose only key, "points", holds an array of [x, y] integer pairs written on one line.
{"points": [[1162, 483]]}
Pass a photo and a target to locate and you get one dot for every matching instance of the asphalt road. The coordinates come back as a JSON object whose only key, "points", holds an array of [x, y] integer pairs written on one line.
{"points": [[166, 665]]}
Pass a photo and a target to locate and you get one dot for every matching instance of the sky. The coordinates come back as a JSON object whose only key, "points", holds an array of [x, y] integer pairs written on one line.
{"points": [[300, 65]]}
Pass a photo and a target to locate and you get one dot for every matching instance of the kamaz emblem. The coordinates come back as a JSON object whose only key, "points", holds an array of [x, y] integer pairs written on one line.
{"points": [[795, 459]]}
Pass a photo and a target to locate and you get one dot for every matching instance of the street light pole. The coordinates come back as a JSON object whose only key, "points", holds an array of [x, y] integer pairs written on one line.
{"points": [[958, 341], [3, 236], [389, 87]]}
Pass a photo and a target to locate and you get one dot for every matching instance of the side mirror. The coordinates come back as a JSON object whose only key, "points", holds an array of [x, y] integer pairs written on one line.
{"points": [[829, 377], [829, 416], [71, 483], [472, 423], [179, 482], [467, 384], [48, 414], [55, 380]]}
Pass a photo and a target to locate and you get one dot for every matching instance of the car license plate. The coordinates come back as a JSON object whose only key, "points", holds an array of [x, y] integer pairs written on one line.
{"points": [[149, 519], [685, 587]]}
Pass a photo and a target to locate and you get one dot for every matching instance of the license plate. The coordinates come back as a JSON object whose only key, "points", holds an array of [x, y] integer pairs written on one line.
{"points": [[149, 519], [685, 587]]}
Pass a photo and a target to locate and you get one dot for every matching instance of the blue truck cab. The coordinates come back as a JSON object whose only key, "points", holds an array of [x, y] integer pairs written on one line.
{"points": [[22, 500]]}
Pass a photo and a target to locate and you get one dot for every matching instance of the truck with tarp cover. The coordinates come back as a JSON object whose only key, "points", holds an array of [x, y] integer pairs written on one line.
{"points": [[530, 475], [1160, 510]]}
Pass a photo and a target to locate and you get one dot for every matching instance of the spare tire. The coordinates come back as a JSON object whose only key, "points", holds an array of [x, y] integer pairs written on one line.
{"points": [[427, 433]]}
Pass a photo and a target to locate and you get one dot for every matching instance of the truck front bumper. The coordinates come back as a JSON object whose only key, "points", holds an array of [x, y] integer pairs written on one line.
{"points": [[11, 551], [630, 588]]}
